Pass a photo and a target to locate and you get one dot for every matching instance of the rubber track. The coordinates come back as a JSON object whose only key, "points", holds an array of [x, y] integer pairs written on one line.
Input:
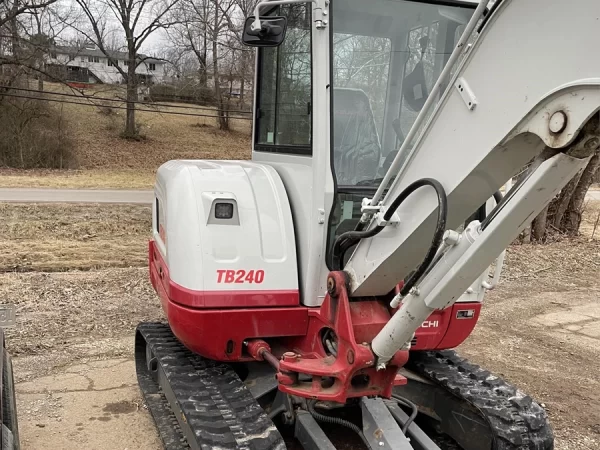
{"points": [[217, 406], [518, 422]]}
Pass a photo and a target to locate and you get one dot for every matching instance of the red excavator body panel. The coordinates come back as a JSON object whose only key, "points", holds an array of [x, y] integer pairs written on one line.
{"points": [[218, 330]]}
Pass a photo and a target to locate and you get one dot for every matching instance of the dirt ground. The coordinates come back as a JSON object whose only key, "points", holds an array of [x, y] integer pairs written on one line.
{"points": [[78, 179], [73, 342], [66, 237]]}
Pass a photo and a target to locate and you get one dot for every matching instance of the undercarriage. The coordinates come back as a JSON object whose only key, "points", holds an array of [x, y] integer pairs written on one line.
{"points": [[199, 403]]}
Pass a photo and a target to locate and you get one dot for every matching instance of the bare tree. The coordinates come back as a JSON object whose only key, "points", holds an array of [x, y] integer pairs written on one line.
{"points": [[211, 30], [12, 10], [246, 54], [22, 42], [192, 34], [137, 20], [564, 213], [203, 26]]}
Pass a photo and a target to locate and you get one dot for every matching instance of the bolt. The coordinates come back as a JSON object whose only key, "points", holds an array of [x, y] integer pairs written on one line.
{"points": [[558, 122], [380, 366], [289, 357], [331, 286], [350, 357], [451, 237]]}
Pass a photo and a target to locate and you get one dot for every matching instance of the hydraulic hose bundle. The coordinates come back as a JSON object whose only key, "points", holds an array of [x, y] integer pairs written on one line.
{"points": [[347, 240]]}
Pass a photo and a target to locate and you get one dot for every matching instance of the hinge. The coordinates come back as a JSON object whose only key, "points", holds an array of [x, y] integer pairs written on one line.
{"points": [[321, 16]]}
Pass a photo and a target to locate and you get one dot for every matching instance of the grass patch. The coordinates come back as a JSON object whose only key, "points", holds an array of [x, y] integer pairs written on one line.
{"points": [[79, 179], [108, 159], [98, 145]]}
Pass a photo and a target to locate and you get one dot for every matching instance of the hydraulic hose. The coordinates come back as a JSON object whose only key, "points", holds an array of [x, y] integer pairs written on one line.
{"points": [[335, 421], [348, 239], [498, 197], [481, 213], [414, 411]]}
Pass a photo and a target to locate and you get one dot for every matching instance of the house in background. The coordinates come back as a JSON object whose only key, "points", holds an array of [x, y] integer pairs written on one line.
{"points": [[88, 64], [231, 85]]}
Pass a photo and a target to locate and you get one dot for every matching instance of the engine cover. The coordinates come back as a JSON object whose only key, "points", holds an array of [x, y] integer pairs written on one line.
{"points": [[224, 233]]}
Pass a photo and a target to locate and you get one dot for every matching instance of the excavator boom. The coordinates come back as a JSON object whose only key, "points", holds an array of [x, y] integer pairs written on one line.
{"points": [[522, 86]]}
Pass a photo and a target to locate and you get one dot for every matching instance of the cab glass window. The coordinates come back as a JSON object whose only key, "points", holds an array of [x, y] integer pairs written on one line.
{"points": [[283, 110]]}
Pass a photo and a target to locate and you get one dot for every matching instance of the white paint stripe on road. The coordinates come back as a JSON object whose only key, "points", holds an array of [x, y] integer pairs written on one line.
{"points": [[26, 195]]}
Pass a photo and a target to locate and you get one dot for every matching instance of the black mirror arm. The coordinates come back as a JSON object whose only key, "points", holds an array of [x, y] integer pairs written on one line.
{"points": [[266, 29]]}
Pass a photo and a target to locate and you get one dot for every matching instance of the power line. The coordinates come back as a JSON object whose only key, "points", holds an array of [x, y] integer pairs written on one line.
{"points": [[115, 107], [90, 97]]}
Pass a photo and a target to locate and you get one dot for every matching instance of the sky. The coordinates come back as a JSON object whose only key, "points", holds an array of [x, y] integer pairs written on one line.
{"points": [[155, 44]]}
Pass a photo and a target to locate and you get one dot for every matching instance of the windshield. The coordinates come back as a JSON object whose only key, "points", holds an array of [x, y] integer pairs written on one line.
{"points": [[387, 55]]}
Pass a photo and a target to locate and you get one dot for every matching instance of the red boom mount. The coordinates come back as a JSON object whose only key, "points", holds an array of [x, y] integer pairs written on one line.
{"points": [[345, 370]]}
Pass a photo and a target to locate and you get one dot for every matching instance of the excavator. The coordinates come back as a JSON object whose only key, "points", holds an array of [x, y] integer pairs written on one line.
{"points": [[315, 295]]}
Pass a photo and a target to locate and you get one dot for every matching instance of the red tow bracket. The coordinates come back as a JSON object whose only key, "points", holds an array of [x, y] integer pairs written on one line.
{"points": [[311, 371]]}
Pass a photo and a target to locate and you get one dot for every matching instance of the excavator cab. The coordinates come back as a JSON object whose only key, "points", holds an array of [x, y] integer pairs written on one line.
{"points": [[334, 100]]}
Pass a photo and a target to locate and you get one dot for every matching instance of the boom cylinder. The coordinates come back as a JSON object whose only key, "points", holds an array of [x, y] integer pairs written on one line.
{"points": [[415, 308], [477, 247]]}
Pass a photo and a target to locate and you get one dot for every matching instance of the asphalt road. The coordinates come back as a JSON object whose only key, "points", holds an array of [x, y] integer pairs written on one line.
{"points": [[30, 195], [27, 195]]}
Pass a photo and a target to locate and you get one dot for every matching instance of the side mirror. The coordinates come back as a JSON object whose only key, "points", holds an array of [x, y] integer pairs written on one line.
{"points": [[270, 34]]}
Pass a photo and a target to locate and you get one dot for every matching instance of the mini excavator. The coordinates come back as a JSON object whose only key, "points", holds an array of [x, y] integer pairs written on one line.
{"points": [[315, 294]]}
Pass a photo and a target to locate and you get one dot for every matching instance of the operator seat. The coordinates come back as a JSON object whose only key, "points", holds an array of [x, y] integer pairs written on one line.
{"points": [[356, 147]]}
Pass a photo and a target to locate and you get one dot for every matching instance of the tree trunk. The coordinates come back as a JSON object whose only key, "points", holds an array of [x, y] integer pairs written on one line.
{"points": [[202, 75], [221, 113], [204, 58], [561, 205], [131, 131], [14, 32], [242, 87], [40, 79], [572, 219], [538, 226]]}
